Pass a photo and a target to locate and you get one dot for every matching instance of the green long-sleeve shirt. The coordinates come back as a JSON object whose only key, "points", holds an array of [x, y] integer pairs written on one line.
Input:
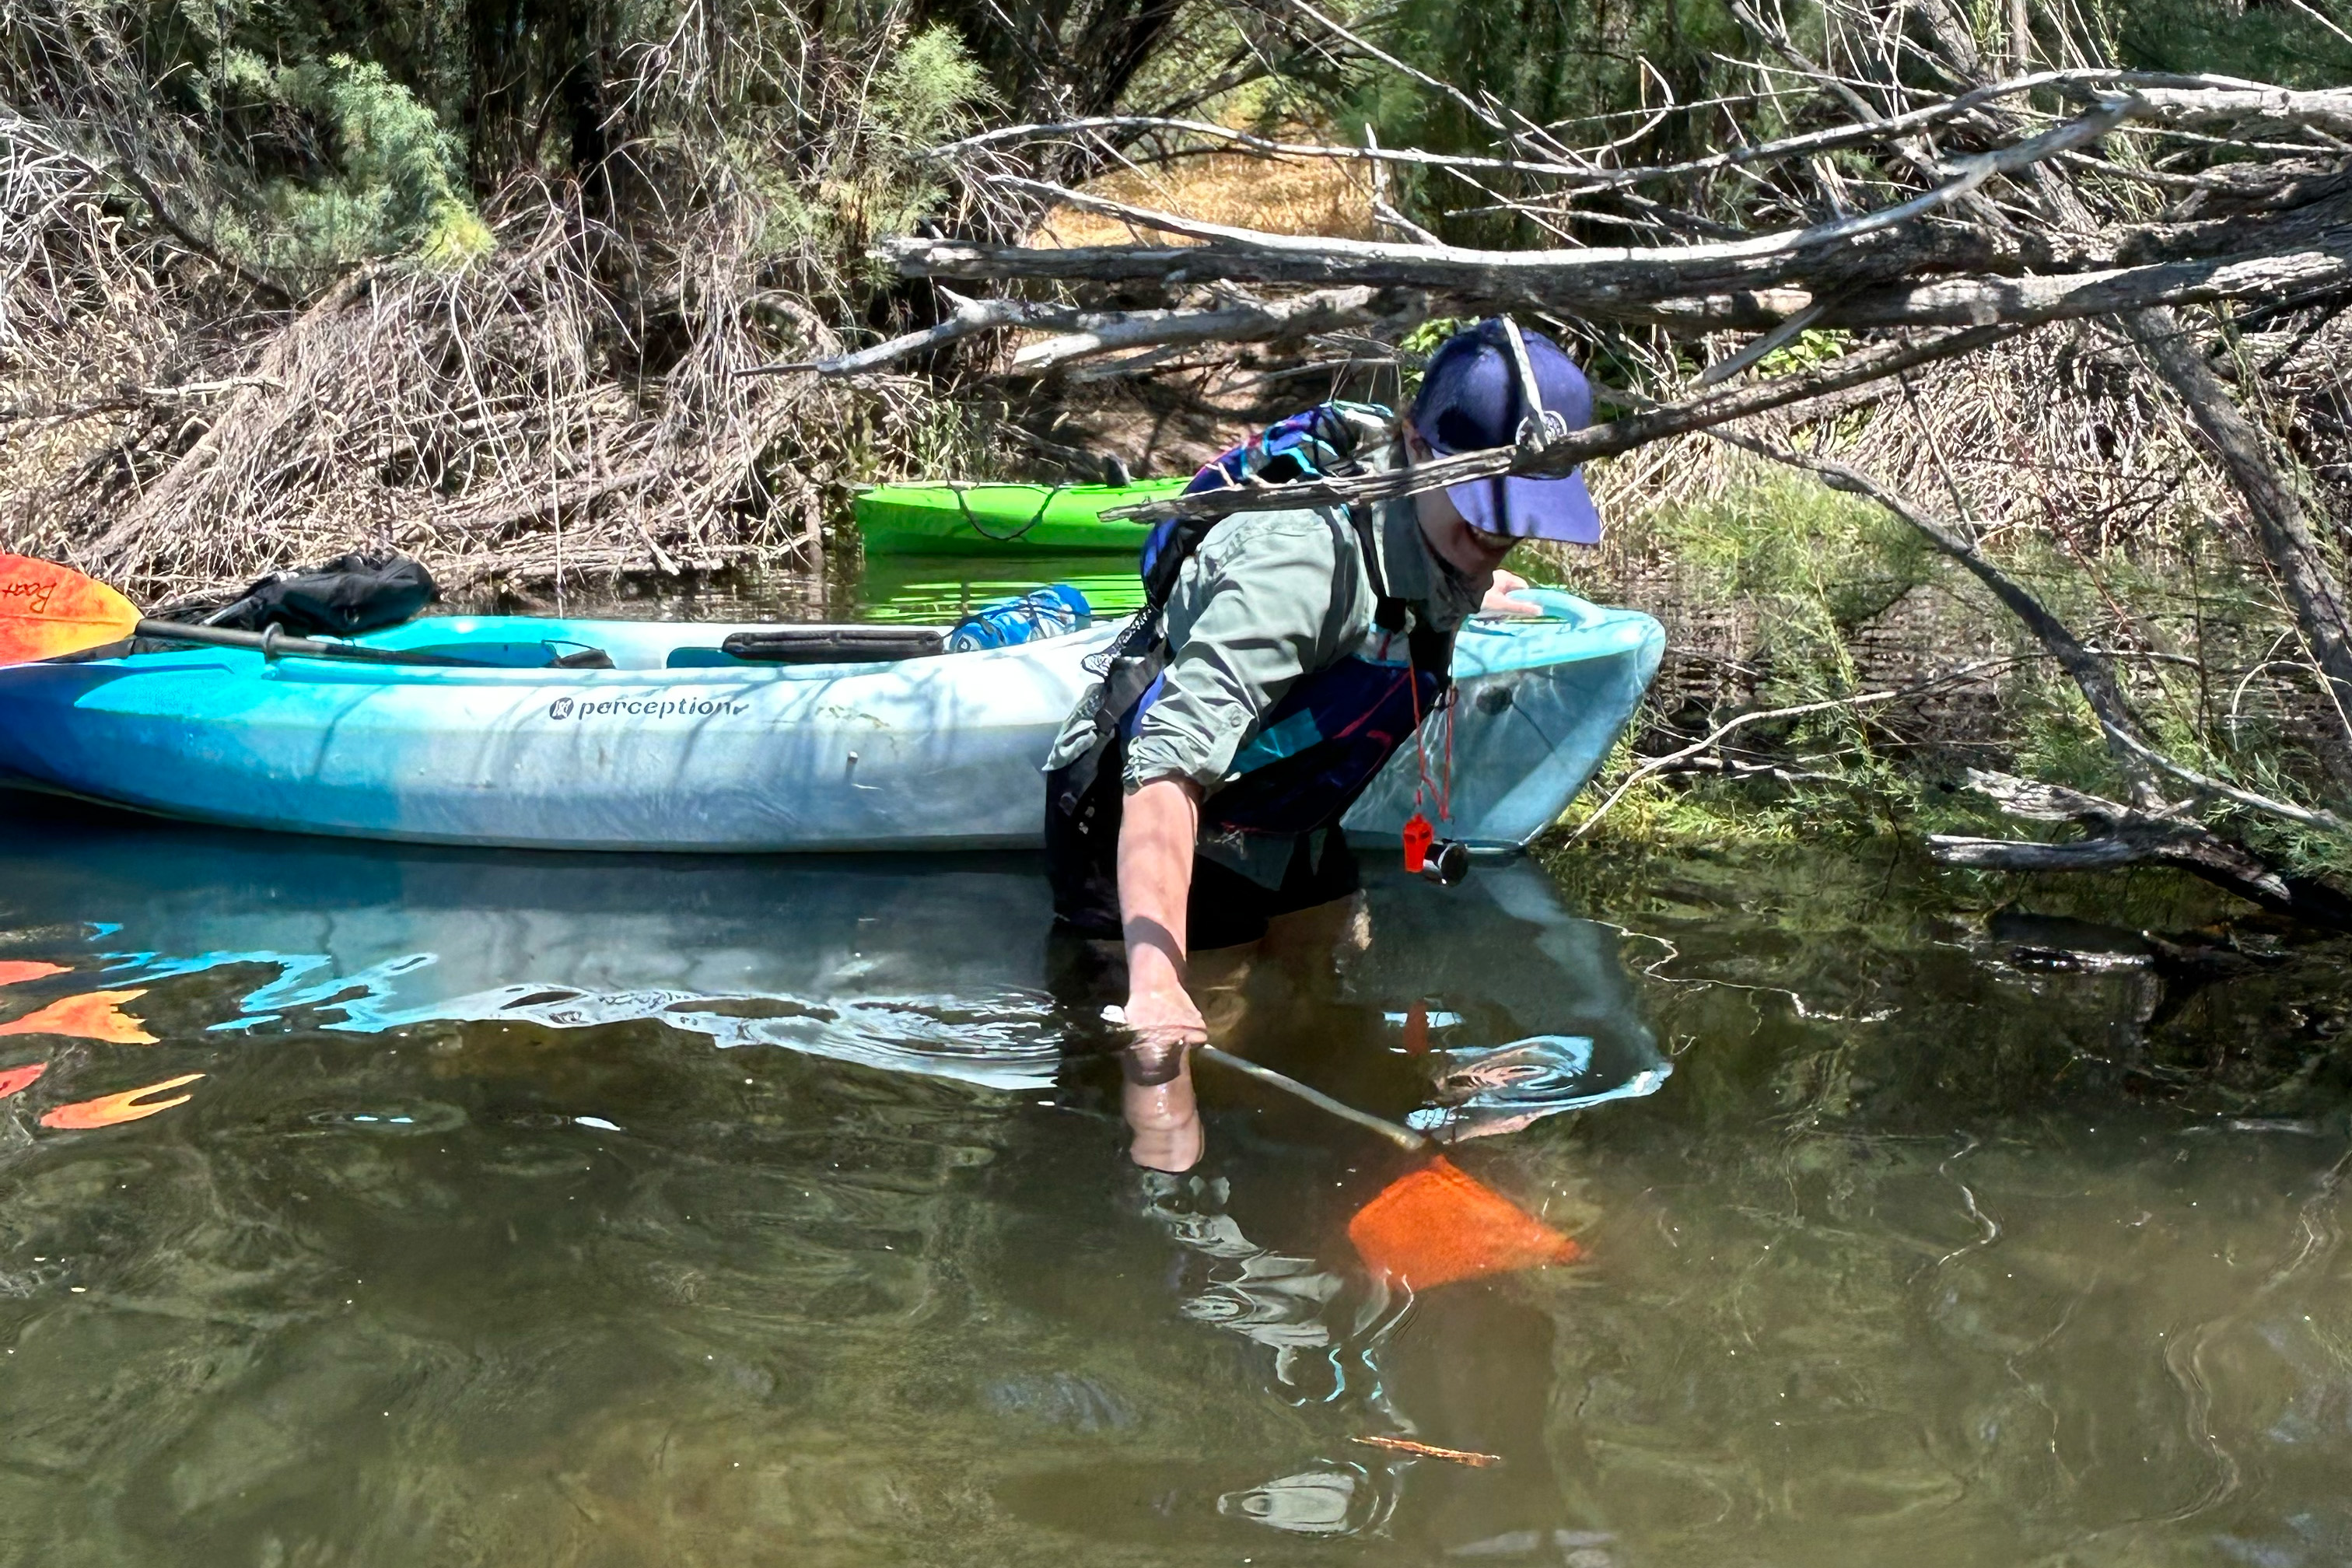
{"points": [[1267, 598]]}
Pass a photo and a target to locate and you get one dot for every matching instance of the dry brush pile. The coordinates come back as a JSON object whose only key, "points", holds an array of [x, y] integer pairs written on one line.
{"points": [[570, 389], [528, 303]]}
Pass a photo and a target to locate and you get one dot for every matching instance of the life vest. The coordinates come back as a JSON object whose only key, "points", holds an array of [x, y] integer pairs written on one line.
{"points": [[1324, 743], [1333, 732]]}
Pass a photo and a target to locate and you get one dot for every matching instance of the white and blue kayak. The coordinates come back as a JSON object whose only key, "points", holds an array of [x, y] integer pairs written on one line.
{"points": [[678, 745]]}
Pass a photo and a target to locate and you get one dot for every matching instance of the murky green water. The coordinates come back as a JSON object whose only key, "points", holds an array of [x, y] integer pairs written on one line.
{"points": [[539, 1209]]}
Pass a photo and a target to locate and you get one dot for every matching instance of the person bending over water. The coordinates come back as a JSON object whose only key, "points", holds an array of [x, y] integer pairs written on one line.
{"points": [[1299, 649]]}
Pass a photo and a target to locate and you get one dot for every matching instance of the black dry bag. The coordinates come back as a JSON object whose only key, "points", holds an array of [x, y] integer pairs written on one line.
{"points": [[350, 594]]}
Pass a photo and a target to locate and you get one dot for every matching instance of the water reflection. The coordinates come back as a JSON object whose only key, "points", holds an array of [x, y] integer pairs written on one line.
{"points": [[491, 1233], [455, 1186], [892, 962], [125, 1105], [889, 963]]}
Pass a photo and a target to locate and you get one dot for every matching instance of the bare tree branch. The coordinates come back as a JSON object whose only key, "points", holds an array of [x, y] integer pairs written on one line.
{"points": [[2286, 811], [2271, 500], [2090, 674], [2125, 835], [1089, 333], [1243, 322], [1563, 453]]}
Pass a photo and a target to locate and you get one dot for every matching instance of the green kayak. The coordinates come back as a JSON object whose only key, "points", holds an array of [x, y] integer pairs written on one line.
{"points": [[986, 518]]}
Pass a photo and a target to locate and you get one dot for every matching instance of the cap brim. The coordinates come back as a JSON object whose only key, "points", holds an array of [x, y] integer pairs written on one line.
{"points": [[1525, 508]]}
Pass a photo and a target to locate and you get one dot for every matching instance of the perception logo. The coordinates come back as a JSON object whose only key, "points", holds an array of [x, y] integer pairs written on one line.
{"points": [[646, 708]]}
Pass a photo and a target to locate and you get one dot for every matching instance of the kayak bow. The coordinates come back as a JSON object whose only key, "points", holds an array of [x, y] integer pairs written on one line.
{"points": [[952, 517]]}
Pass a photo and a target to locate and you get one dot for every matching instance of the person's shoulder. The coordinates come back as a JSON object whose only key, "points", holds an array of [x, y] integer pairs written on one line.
{"points": [[1289, 533]]}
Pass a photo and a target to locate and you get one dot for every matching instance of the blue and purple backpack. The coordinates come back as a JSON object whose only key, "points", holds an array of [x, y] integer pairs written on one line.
{"points": [[1315, 443]]}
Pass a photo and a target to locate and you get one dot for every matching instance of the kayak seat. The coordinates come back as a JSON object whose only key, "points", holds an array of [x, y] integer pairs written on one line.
{"points": [[814, 644]]}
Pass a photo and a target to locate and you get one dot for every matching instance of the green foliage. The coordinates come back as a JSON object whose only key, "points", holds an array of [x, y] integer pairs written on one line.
{"points": [[1813, 565], [335, 159], [2282, 44], [397, 177], [1809, 350], [1424, 340], [873, 177], [927, 93], [1564, 60], [1415, 347], [930, 91], [1544, 62]]}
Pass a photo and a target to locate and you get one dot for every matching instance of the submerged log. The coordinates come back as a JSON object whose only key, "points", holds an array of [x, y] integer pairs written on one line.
{"points": [[2120, 836]]}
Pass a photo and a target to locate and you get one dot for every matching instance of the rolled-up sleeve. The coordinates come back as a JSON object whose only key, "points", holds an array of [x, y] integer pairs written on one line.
{"points": [[1260, 607]]}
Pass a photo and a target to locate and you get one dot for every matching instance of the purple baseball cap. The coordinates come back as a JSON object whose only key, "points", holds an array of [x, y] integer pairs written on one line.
{"points": [[1473, 398]]}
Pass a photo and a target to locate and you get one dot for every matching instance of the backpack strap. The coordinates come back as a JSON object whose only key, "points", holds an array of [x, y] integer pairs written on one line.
{"points": [[1388, 610], [1426, 647], [1137, 659]]}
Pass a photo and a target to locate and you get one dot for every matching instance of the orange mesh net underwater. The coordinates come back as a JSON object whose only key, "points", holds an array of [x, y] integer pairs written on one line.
{"points": [[46, 610], [1440, 1225]]}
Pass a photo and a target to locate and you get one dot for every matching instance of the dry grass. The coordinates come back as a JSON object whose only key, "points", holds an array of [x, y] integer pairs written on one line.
{"points": [[503, 421], [1295, 197]]}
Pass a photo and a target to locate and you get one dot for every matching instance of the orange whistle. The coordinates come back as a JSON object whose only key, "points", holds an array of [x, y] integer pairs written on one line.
{"points": [[1418, 837]]}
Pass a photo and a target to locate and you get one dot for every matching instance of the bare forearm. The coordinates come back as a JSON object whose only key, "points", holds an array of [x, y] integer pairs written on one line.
{"points": [[1155, 882]]}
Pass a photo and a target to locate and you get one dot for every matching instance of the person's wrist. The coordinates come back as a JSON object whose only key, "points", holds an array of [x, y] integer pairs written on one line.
{"points": [[1149, 965], [1155, 988]]}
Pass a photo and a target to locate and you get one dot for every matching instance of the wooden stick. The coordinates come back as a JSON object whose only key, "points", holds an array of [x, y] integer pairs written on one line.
{"points": [[1561, 453], [1402, 1137], [1470, 1457]]}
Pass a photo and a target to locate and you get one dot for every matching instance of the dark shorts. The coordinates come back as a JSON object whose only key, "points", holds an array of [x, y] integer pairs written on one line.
{"points": [[1226, 909]]}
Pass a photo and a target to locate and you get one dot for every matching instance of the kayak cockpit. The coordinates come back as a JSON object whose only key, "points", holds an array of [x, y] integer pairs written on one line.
{"points": [[520, 642], [544, 655]]}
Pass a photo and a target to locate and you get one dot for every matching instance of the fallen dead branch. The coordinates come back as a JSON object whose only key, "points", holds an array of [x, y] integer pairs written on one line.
{"points": [[1082, 334], [1559, 454], [1246, 320], [2305, 573], [471, 418], [2120, 836]]}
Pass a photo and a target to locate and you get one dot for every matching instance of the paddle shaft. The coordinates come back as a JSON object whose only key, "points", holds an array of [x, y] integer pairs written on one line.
{"points": [[1403, 1138], [274, 645]]}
